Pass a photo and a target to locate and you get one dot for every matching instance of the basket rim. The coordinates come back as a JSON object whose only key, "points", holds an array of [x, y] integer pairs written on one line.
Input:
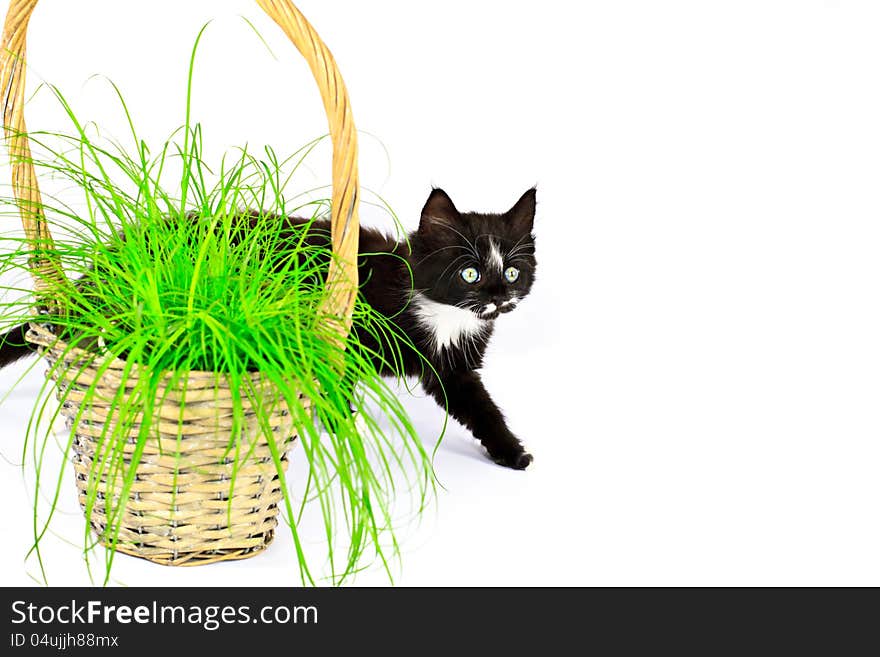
{"points": [[38, 334]]}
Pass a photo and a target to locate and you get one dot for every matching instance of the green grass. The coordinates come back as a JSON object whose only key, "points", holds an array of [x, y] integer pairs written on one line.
{"points": [[160, 273]]}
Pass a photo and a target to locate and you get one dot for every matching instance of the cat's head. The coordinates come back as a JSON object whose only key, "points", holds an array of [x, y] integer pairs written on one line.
{"points": [[484, 263]]}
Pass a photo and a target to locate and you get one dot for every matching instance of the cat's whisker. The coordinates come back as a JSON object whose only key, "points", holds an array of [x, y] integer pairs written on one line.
{"points": [[445, 248], [517, 243], [460, 258], [460, 234], [522, 259], [518, 253], [519, 249]]}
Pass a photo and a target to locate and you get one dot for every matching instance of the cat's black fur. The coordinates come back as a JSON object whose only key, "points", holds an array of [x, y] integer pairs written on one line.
{"points": [[448, 319], [447, 242]]}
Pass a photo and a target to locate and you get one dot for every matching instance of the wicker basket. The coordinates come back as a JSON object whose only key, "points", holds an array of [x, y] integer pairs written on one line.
{"points": [[179, 510]]}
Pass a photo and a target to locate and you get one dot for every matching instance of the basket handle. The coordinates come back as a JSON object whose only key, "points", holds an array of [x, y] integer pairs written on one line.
{"points": [[342, 278]]}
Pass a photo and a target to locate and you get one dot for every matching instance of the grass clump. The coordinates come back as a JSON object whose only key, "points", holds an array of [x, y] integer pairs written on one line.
{"points": [[197, 271]]}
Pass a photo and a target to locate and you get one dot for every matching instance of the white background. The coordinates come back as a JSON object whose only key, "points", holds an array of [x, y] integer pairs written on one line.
{"points": [[698, 369]]}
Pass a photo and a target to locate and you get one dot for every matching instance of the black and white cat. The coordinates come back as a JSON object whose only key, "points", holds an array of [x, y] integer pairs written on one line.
{"points": [[467, 269], [444, 287]]}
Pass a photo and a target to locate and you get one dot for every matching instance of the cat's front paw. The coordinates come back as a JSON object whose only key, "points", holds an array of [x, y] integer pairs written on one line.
{"points": [[517, 459]]}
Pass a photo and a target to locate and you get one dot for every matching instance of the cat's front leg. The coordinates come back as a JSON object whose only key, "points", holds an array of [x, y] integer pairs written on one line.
{"points": [[470, 403]]}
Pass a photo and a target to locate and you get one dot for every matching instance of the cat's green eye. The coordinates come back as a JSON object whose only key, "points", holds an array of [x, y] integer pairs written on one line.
{"points": [[470, 275], [511, 274]]}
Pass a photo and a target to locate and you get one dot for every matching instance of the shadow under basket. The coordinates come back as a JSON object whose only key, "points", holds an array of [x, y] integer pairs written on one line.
{"points": [[192, 500]]}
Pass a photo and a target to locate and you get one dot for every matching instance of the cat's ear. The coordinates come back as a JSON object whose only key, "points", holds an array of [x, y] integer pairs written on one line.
{"points": [[439, 209], [522, 215]]}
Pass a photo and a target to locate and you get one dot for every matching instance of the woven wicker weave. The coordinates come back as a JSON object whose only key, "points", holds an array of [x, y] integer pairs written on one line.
{"points": [[182, 508]]}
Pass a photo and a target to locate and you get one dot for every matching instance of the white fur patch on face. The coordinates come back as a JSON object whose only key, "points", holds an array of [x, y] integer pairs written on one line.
{"points": [[495, 257], [489, 308], [510, 301], [448, 325]]}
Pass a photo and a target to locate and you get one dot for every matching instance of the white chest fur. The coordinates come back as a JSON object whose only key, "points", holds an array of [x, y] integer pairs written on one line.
{"points": [[448, 325]]}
